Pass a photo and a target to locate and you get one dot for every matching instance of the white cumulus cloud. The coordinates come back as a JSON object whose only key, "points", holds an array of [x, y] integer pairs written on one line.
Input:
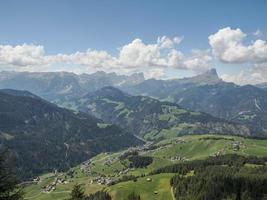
{"points": [[228, 46], [200, 61], [135, 56], [92, 58], [255, 75], [232, 46], [22, 55]]}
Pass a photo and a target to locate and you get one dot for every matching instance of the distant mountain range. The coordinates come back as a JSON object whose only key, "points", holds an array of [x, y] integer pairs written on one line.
{"points": [[43, 137], [63, 85], [151, 118], [202, 93], [168, 89], [262, 86], [245, 104]]}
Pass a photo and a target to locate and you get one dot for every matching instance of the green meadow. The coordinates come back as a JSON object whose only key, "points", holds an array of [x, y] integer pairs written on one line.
{"points": [[164, 153]]}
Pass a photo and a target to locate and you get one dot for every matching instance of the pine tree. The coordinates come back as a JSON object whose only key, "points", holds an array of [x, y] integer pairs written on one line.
{"points": [[133, 196], [9, 189], [100, 195], [77, 192]]}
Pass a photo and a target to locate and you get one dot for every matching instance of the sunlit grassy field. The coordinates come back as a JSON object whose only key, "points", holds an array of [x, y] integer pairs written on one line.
{"points": [[186, 147], [160, 185]]}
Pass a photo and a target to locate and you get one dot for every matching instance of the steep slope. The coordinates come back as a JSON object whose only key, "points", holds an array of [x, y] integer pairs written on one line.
{"points": [[151, 118], [43, 137], [55, 86], [245, 104], [207, 93]]}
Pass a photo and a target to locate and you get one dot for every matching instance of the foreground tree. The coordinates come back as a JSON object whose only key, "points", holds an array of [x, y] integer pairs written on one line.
{"points": [[100, 195], [77, 192], [133, 196], [9, 189]]}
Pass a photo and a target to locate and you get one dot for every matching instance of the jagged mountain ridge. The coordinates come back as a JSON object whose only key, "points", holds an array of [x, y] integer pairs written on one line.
{"points": [[167, 89], [63, 85]]}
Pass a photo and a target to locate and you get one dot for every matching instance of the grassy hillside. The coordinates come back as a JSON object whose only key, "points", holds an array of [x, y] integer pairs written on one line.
{"points": [[164, 153], [151, 118], [209, 94], [34, 191]]}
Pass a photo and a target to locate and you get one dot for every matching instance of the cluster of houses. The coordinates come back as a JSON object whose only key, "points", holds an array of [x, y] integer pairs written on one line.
{"points": [[217, 154], [145, 147], [109, 161], [100, 180], [178, 158], [236, 146], [124, 171], [52, 187], [37, 180], [86, 167], [179, 141], [160, 147]]}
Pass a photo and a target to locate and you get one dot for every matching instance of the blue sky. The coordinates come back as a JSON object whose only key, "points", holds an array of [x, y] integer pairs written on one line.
{"points": [[70, 26]]}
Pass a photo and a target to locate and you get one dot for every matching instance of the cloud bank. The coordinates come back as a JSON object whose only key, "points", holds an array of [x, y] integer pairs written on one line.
{"points": [[227, 46], [230, 46], [134, 56]]}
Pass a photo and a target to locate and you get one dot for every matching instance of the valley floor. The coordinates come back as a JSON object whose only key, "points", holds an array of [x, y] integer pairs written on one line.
{"points": [[96, 173]]}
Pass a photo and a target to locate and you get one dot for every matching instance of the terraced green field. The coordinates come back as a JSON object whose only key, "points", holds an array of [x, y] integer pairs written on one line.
{"points": [[164, 153]]}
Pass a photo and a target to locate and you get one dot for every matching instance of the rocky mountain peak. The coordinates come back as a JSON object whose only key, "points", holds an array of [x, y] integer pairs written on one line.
{"points": [[212, 72]]}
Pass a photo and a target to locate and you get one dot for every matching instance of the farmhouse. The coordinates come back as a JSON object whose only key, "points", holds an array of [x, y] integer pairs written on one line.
{"points": [[52, 187]]}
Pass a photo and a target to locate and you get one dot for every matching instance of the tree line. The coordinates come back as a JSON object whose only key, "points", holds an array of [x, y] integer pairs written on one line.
{"points": [[9, 189], [229, 160], [77, 193], [222, 182], [216, 178]]}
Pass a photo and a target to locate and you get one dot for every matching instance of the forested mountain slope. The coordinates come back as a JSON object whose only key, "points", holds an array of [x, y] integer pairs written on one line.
{"points": [[152, 118], [43, 137]]}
